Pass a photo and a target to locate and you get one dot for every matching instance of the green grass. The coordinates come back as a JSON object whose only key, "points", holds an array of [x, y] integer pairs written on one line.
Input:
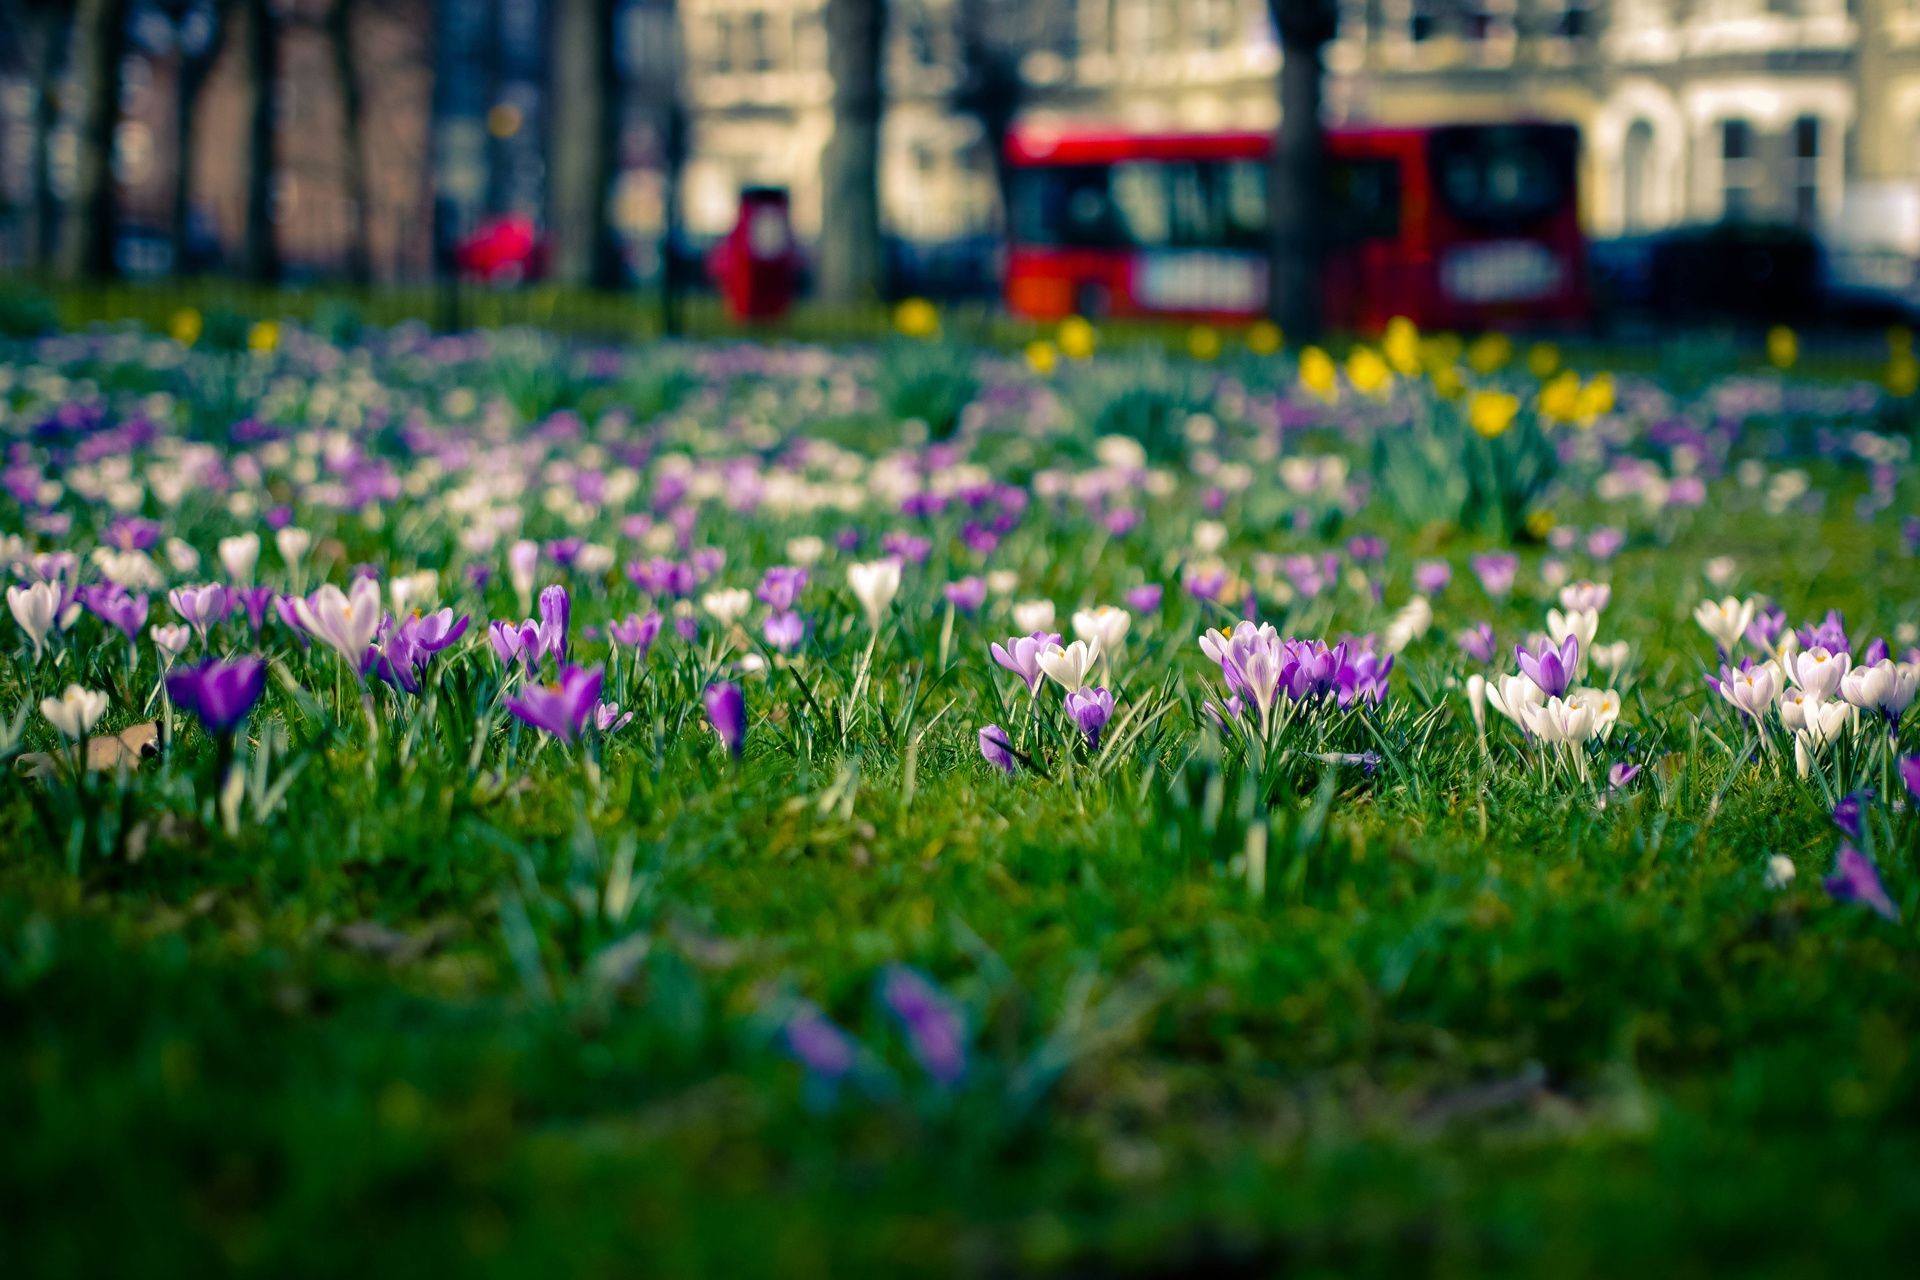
{"points": [[491, 1012]]}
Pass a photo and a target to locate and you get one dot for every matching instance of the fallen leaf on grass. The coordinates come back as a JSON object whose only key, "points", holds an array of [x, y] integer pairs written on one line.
{"points": [[105, 753], [392, 945]]}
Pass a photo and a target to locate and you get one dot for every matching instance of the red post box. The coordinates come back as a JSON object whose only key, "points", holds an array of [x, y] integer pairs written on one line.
{"points": [[757, 264]]}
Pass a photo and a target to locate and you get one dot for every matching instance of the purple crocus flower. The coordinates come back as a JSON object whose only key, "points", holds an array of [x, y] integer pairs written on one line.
{"points": [[1146, 598], [1090, 709], [636, 631], [1848, 813], [1367, 549], [934, 1032], [1910, 774], [1605, 542], [562, 708], [1430, 577], [1551, 669], [607, 717], [1766, 627], [438, 630], [254, 602], [221, 694], [727, 712], [967, 594], [1477, 642], [907, 546], [1021, 655], [516, 642], [199, 607], [1876, 651], [1621, 775], [996, 749], [556, 610], [780, 588], [816, 1043], [784, 631], [1856, 879], [1831, 634], [1496, 572], [127, 614]]}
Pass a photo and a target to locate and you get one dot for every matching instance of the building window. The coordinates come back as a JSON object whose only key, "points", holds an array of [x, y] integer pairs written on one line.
{"points": [[1806, 170], [1636, 163], [1739, 169], [759, 43], [1213, 22], [1570, 19], [1423, 20], [720, 46]]}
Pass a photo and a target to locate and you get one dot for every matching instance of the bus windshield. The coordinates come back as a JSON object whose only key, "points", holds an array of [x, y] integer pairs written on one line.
{"points": [[1142, 204]]}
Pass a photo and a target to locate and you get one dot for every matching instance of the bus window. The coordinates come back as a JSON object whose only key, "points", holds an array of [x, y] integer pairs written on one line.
{"points": [[1140, 196], [1509, 176], [1066, 207], [1366, 199]]}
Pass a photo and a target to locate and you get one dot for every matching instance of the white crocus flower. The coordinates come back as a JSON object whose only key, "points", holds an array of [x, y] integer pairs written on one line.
{"points": [[1030, 616], [1513, 695], [806, 549], [1603, 704], [74, 712], [1754, 689], [1209, 536], [1068, 665], [1409, 624], [1726, 621], [727, 605], [1780, 871], [346, 621], [171, 641], [875, 583], [1477, 703], [1578, 623], [1906, 683], [1105, 626], [239, 555], [1817, 721], [1003, 582], [1869, 686], [1561, 721], [1610, 658], [36, 607], [1819, 671], [292, 543]]}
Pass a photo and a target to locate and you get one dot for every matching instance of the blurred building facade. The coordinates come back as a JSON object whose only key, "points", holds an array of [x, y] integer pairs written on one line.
{"points": [[1798, 111], [1801, 111]]}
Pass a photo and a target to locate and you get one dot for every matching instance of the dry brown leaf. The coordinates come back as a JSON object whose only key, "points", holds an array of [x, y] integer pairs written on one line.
{"points": [[392, 945], [105, 753]]}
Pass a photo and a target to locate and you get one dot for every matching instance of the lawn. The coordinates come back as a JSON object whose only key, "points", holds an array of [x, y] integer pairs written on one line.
{"points": [[740, 911]]}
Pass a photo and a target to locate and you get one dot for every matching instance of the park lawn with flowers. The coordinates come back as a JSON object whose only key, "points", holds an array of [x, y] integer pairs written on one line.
{"points": [[493, 801]]}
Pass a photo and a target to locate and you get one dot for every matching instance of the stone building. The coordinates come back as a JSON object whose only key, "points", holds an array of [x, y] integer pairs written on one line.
{"points": [[1802, 111]]}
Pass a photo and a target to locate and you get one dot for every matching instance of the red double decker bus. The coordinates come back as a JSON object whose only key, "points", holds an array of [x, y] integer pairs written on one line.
{"points": [[1453, 226]]}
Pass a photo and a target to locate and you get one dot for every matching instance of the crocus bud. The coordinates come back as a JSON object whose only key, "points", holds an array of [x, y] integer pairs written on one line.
{"points": [[727, 710]]}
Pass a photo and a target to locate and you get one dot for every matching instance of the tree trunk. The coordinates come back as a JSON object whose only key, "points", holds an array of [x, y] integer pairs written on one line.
{"points": [[196, 65], [48, 50], [1296, 185], [662, 84], [263, 76], [852, 265], [353, 156], [86, 238], [586, 142], [992, 90]]}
